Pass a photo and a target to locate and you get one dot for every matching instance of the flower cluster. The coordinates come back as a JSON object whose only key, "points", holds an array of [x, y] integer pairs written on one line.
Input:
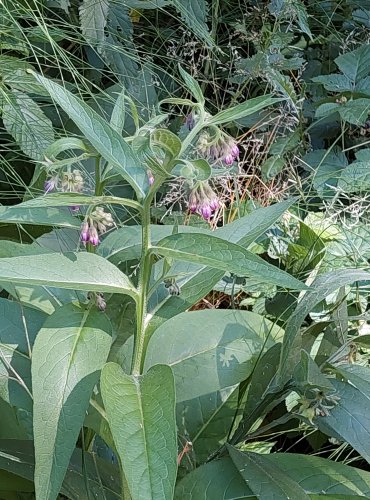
{"points": [[96, 223], [98, 299], [224, 149], [68, 182], [203, 200]]}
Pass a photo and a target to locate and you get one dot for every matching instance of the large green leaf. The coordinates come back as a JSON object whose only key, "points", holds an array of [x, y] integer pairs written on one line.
{"points": [[87, 475], [207, 420], [125, 243], [322, 287], [76, 271], [196, 280], [224, 255], [220, 480], [265, 479], [18, 328], [216, 480], [141, 415], [223, 345], [105, 139], [68, 354], [25, 121], [40, 216], [350, 418], [355, 65]]}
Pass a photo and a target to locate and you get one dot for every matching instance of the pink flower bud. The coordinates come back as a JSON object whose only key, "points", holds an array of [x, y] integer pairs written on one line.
{"points": [[84, 234], [150, 177], [93, 236], [235, 151], [214, 204], [206, 211], [229, 159]]}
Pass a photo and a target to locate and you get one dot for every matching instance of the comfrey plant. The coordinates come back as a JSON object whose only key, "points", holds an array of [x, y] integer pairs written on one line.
{"points": [[116, 382]]}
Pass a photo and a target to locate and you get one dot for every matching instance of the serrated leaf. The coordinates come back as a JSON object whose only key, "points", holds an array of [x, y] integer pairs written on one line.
{"points": [[27, 124], [335, 82], [107, 141], [355, 177], [194, 15], [68, 354], [141, 415], [76, 271], [221, 254], [93, 18], [266, 480], [223, 344], [355, 65], [242, 110]]}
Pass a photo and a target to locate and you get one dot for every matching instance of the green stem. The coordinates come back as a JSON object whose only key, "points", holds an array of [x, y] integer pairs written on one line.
{"points": [[191, 136], [98, 182], [144, 279]]}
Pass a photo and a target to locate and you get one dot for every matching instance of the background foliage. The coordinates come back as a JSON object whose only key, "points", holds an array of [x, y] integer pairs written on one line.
{"points": [[184, 357]]}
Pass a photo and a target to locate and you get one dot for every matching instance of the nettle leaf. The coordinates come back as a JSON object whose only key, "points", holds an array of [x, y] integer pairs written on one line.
{"points": [[326, 167], [105, 139], [18, 329], [76, 271], [27, 124], [221, 254], [68, 354], [271, 167], [194, 14], [355, 65], [118, 49], [354, 111], [265, 479], [242, 110], [355, 178], [141, 415], [362, 16], [93, 18], [223, 344]]}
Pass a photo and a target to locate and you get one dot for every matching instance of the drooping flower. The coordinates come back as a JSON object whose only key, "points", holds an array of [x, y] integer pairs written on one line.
{"points": [[203, 200], [96, 223]]}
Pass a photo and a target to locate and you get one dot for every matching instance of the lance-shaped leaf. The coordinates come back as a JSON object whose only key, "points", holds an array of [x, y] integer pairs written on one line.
{"points": [[68, 354], [242, 110], [220, 254], [141, 415], [105, 139], [44, 216], [18, 328], [265, 479], [76, 271], [197, 280], [322, 287]]}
